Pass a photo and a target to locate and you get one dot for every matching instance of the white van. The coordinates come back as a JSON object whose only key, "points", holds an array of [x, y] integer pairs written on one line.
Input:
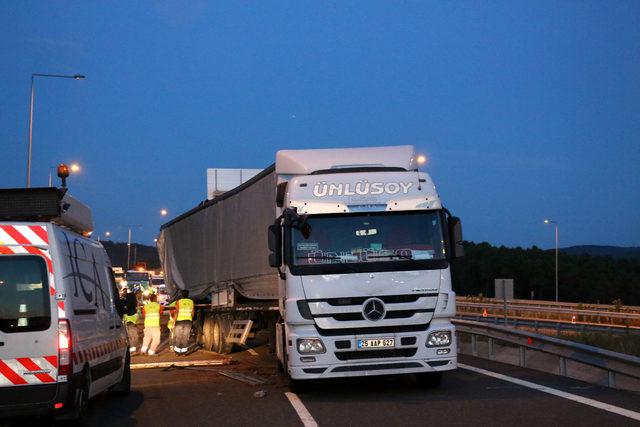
{"points": [[62, 339]]}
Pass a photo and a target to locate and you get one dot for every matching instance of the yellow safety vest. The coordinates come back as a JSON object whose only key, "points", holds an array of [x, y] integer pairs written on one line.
{"points": [[131, 319], [152, 314], [185, 308]]}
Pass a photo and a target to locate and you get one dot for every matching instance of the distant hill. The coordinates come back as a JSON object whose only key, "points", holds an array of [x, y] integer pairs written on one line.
{"points": [[139, 253], [616, 252]]}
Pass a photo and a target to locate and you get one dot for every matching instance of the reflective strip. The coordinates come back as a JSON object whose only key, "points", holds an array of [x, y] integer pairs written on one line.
{"points": [[28, 370], [30, 235]]}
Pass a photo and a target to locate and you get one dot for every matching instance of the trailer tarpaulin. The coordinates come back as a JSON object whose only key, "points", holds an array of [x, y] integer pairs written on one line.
{"points": [[223, 241]]}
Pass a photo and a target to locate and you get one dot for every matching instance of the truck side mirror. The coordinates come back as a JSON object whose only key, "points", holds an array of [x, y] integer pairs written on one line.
{"points": [[455, 237], [275, 245]]}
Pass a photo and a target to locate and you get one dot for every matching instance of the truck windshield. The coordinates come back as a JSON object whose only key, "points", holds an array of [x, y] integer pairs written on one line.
{"points": [[24, 294], [138, 277], [373, 237]]}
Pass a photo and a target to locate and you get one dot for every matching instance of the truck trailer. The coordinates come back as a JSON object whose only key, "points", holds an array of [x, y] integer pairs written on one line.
{"points": [[343, 255]]}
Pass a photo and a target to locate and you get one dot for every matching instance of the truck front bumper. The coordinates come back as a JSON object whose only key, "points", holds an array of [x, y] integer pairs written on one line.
{"points": [[342, 358]]}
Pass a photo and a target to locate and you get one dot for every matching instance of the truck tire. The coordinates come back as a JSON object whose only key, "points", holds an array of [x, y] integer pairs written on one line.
{"points": [[207, 333], [429, 379], [224, 326]]}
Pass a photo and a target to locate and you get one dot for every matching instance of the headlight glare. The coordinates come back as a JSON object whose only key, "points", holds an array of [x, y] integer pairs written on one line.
{"points": [[310, 346], [439, 339]]}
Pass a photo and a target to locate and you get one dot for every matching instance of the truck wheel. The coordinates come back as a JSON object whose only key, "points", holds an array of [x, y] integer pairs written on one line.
{"points": [[207, 333], [429, 379], [225, 328]]}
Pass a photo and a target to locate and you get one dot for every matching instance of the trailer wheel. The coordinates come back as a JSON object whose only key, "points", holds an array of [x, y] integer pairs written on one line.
{"points": [[207, 333], [224, 322]]}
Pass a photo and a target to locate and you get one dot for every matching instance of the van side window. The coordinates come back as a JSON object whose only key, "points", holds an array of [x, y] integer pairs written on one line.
{"points": [[110, 288], [118, 303], [24, 294]]}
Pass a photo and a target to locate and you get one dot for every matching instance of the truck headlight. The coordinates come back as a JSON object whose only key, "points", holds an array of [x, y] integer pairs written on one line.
{"points": [[439, 339], [310, 346]]}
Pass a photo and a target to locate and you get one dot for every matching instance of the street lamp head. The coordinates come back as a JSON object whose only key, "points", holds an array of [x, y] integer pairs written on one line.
{"points": [[163, 212], [421, 159], [75, 167], [79, 76]]}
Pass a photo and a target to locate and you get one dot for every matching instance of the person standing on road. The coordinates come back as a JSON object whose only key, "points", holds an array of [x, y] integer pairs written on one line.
{"points": [[131, 323], [171, 324], [151, 311], [185, 309]]}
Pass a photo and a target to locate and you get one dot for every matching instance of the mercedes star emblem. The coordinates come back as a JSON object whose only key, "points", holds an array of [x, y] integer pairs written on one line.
{"points": [[373, 309]]}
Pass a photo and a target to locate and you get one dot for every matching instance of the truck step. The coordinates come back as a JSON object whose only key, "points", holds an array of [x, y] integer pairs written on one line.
{"points": [[240, 331]]}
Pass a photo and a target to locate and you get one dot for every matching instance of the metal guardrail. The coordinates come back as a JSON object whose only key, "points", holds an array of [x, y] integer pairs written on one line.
{"points": [[511, 309], [547, 324], [605, 308], [613, 363]]}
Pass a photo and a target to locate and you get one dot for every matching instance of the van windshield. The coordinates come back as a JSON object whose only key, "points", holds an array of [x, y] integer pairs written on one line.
{"points": [[24, 294]]}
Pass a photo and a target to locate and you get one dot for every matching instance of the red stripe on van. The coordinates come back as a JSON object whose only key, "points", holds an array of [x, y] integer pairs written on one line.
{"points": [[10, 374], [41, 232], [20, 239], [53, 360], [31, 365], [4, 250]]}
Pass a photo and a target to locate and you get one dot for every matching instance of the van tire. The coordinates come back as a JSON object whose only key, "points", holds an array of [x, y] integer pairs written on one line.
{"points": [[78, 412], [123, 388]]}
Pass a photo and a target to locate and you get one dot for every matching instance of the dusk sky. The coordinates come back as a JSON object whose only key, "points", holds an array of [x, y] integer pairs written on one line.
{"points": [[526, 110]]}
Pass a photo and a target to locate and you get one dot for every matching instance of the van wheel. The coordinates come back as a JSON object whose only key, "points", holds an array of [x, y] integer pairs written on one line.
{"points": [[429, 379], [78, 412], [123, 388]]}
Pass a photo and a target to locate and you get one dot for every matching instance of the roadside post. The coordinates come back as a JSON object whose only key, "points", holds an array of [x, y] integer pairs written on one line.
{"points": [[503, 288]]}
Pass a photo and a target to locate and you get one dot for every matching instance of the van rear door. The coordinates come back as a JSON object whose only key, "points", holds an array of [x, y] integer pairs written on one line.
{"points": [[28, 318]]}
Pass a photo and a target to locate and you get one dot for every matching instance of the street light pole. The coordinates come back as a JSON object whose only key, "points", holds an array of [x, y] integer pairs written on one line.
{"points": [[129, 249], [548, 221], [31, 101]]}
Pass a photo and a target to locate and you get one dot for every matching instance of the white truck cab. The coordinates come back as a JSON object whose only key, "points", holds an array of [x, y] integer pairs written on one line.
{"points": [[62, 340], [365, 280]]}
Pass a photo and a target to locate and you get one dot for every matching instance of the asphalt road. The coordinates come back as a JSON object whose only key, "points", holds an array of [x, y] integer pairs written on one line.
{"points": [[202, 396]]}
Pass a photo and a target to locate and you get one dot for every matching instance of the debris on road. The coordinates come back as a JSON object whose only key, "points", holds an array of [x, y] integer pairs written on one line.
{"points": [[261, 393], [245, 378], [219, 362]]}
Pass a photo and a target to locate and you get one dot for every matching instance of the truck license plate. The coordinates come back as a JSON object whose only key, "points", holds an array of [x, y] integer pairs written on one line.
{"points": [[376, 343]]}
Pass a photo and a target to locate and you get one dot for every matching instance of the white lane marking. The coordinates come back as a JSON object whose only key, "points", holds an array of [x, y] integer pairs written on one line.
{"points": [[579, 399], [303, 412]]}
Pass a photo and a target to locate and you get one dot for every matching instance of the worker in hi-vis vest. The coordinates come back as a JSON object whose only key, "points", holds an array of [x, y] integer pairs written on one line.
{"points": [[131, 323], [182, 329], [151, 312]]}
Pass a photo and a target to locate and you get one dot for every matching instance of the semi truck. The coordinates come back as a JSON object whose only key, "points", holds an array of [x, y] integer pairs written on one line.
{"points": [[342, 255]]}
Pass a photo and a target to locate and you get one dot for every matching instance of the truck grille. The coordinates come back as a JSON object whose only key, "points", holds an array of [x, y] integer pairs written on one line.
{"points": [[347, 312], [375, 354]]}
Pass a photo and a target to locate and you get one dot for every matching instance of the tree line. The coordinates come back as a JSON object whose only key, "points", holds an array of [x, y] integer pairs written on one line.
{"points": [[581, 278]]}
